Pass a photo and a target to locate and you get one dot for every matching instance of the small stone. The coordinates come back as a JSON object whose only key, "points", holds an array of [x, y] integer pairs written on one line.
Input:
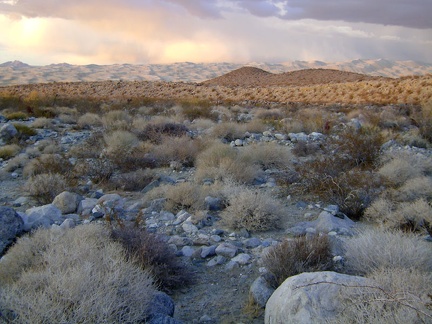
{"points": [[208, 251], [226, 250], [187, 251], [238, 142], [218, 260], [242, 258], [215, 238], [189, 228], [253, 243], [231, 265], [68, 223]]}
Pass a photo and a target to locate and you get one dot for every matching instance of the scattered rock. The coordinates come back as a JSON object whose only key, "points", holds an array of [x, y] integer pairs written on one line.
{"points": [[43, 216], [7, 132], [67, 202], [11, 226], [226, 250], [261, 291]]}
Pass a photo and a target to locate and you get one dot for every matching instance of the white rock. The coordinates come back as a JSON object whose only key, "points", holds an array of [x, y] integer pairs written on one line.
{"points": [[313, 297]]}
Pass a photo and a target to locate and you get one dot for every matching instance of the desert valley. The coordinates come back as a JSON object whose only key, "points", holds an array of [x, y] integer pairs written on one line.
{"points": [[216, 193]]}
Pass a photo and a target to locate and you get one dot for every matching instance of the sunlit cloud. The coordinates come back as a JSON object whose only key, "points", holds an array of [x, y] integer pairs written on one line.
{"points": [[166, 31]]}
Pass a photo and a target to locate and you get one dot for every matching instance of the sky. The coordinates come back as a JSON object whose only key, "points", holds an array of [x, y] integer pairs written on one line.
{"points": [[40, 32]]}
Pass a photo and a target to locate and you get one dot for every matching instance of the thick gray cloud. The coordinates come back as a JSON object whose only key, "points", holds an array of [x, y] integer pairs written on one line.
{"points": [[407, 13]]}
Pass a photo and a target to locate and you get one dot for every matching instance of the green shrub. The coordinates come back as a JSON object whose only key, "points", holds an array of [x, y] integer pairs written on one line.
{"points": [[152, 253], [74, 276], [298, 255], [255, 211]]}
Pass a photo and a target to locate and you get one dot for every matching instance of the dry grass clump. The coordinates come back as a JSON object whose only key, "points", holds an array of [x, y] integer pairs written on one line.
{"points": [[156, 132], [374, 249], [397, 168], [298, 255], [24, 132], [75, 276], [195, 109], [17, 162], [229, 131], [131, 181], [42, 122], [89, 120], [255, 211], [220, 161], [268, 155], [398, 296], [413, 189], [9, 151], [48, 163], [15, 115], [413, 216], [186, 195], [183, 150], [151, 253], [120, 143], [46, 186], [116, 120]]}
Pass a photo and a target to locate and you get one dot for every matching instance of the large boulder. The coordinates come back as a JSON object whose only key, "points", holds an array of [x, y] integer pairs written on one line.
{"points": [[311, 297], [43, 216], [11, 225], [67, 202]]}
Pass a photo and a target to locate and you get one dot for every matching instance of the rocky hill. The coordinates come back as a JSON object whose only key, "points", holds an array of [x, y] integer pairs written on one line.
{"points": [[250, 76]]}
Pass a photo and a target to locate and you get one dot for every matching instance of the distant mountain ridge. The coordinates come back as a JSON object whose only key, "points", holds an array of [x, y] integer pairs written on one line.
{"points": [[16, 72]]}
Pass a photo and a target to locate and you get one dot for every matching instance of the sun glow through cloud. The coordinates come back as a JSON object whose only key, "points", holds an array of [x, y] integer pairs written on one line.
{"points": [[168, 31]]}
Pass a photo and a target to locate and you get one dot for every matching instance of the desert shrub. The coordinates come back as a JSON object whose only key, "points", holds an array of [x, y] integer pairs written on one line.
{"points": [[415, 188], [89, 120], [332, 181], [269, 115], [229, 131], [68, 119], [156, 132], [425, 121], [301, 254], [119, 143], [374, 249], [193, 109], [24, 132], [42, 122], [201, 125], [400, 167], [16, 115], [289, 125], [179, 149], [9, 151], [255, 211], [186, 195], [48, 163], [395, 296], [255, 126], [268, 155], [312, 119], [131, 181], [220, 161], [116, 120], [44, 187], [75, 276], [17, 162], [98, 170], [409, 216], [46, 112], [303, 148], [361, 148], [152, 253]]}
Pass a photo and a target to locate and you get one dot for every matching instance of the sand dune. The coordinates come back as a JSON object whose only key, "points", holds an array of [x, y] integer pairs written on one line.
{"points": [[12, 73]]}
